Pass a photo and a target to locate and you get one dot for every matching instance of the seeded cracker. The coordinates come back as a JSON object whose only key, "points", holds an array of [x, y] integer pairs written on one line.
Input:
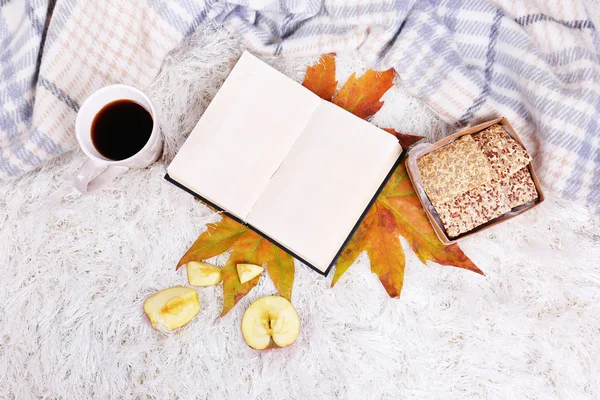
{"points": [[473, 208], [519, 188], [454, 169], [503, 152]]}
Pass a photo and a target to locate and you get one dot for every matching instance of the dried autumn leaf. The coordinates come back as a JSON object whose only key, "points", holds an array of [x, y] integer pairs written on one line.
{"points": [[400, 198], [247, 247], [377, 234], [217, 239], [368, 89], [320, 78], [404, 139], [361, 95], [398, 212]]}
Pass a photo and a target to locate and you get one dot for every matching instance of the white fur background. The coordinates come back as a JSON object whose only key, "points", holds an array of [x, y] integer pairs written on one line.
{"points": [[76, 270]]}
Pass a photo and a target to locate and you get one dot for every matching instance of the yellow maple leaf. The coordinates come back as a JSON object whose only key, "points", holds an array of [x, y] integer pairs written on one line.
{"points": [[247, 247]]}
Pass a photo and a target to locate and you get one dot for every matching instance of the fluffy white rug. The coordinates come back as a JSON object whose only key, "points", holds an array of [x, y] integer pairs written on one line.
{"points": [[76, 270]]}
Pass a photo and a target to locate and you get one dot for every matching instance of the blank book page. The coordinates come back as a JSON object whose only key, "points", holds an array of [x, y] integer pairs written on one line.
{"points": [[324, 184], [243, 136]]}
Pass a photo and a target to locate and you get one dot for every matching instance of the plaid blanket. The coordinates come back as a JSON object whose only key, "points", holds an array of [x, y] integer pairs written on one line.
{"points": [[535, 62]]}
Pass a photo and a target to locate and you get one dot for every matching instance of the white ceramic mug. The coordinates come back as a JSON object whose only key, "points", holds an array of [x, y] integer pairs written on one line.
{"points": [[99, 170]]}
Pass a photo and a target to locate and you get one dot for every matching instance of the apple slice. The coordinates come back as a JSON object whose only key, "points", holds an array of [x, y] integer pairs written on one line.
{"points": [[172, 308], [248, 272], [271, 321], [203, 274]]}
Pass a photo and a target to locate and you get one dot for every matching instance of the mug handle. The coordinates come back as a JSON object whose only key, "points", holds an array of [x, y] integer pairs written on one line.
{"points": [[92, 176]]}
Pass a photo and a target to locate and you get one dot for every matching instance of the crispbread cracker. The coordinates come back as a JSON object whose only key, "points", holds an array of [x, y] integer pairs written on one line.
{"points": [[505, 154], [473, 208], [454, 169], [476, 179], [519, 188]]}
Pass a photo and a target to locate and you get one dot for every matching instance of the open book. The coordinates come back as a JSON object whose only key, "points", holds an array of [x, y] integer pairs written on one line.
{"points": [[299, 170]]}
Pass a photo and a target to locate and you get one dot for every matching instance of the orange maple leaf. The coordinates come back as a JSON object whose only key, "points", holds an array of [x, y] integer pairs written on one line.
{"points": [[320, 78], [397, 210], [361, 96], [248, 247]]}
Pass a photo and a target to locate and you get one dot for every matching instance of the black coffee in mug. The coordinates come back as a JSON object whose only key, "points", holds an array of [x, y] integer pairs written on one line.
{"points": [[121, 129]]}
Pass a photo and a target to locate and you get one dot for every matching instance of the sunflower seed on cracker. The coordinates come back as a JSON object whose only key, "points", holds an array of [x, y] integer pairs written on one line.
{"points": [[504, 153], [454, 169]]}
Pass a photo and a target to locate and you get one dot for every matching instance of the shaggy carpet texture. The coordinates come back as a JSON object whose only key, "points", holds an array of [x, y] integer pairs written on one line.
{"points": [[77, 269]]}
